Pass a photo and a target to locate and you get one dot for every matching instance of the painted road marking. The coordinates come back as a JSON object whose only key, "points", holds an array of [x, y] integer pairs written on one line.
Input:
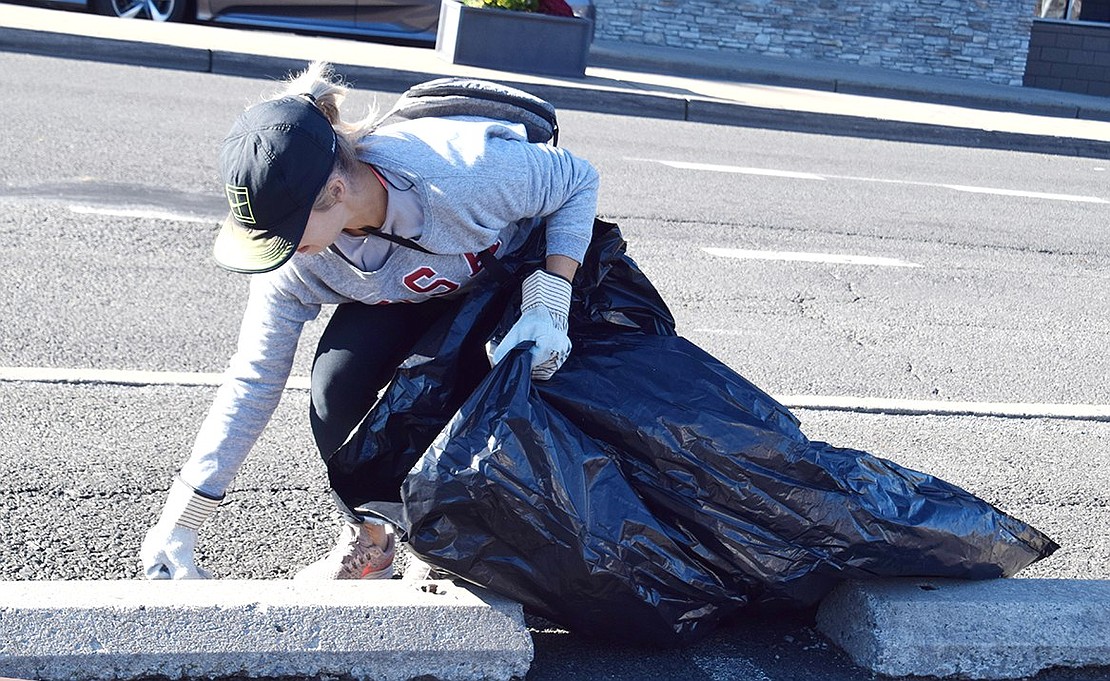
{"points": [[116, 377], [835, 258], [997, 191], [877, 405], [137, 213], [742, 171], [1025, 194]]}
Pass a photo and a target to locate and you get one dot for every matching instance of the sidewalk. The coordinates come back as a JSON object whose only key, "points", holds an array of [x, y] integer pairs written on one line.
{"points": [[848, 79], [622, 78]]}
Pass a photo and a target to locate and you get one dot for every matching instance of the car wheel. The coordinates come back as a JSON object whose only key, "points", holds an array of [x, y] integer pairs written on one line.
{"points": [[158, 10]]}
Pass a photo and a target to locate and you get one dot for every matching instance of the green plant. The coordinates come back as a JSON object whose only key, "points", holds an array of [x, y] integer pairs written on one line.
{"points": [[515, 5]]}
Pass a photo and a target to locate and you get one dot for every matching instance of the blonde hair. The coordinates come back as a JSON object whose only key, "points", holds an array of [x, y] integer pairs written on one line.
{"points": [[328, 90]]}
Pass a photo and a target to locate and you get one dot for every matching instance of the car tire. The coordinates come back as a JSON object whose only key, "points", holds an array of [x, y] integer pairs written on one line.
{"points": [[158, 10]]}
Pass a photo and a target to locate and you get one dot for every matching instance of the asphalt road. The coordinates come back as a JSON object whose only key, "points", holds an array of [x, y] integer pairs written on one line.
{"points": [[110, 200]]}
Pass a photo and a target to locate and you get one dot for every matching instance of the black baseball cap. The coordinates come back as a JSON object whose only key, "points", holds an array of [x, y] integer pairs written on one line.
{"points": [[274, 162]]}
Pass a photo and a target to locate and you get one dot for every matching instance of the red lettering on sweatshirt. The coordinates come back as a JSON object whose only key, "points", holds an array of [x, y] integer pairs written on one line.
{"points": [[426, 280]]}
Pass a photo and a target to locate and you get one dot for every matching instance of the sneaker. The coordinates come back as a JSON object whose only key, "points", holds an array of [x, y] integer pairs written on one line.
{"points": [[355, 556]]}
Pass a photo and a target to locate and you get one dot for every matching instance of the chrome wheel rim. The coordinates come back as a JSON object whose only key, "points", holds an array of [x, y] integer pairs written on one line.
{"points": [[158, 10]]}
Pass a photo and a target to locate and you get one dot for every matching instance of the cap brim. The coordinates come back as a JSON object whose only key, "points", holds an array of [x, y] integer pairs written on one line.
{"points": [[253, 251]]}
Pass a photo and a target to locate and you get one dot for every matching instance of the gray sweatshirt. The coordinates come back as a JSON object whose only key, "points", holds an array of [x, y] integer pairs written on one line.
{"points": [[477, 180]]}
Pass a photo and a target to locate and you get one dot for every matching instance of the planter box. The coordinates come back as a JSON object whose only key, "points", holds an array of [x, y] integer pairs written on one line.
{"points": [[523, 42]]}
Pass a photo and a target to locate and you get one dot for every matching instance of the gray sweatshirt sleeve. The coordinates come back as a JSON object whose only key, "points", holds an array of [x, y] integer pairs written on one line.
{"points": [[252, 385], [567, 199]]}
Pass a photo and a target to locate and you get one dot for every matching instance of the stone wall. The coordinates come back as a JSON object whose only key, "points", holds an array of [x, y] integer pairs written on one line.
{"points": [[976, 39]]}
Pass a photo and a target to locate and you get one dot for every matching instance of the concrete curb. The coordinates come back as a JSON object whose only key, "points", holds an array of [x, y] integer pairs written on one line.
{"points": [[184, 58], [111, 50], [845, 125], [186, 47], [386, 630], [994, 629], [845, 79]]}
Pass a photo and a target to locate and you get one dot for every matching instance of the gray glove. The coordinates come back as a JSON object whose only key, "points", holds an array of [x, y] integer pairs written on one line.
{"points": [[544, 308], [169, 547]]}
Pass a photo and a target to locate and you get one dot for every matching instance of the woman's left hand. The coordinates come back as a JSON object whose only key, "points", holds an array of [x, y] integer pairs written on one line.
{"points": [[544, 306]]}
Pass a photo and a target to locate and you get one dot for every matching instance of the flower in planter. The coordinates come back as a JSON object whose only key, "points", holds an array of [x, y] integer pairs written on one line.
{"points": [[515, 5], [556, 7], [559, 8]]}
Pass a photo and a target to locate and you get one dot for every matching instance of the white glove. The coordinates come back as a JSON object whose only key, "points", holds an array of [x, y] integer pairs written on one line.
{"points": [[544, 307], [169, 547]]}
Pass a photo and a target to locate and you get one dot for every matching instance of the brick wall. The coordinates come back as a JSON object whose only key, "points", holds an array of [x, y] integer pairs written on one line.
{"points": [[1071, 57], [977, 39]]}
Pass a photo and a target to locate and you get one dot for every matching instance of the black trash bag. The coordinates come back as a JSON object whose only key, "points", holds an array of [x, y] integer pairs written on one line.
{"points": [[772, 514], [429, 386], [449, 360], [516, 498], [646, 490]]}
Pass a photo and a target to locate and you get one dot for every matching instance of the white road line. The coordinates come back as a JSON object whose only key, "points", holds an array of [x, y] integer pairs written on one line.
{"points": [[997, 191], [137, 213], [878, 405], [114, 377], [1089, 412], [742, 171], [1025, 194], [835, 258]]}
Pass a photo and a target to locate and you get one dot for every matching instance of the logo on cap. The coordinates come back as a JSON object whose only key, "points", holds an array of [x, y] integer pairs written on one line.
{"points": [[240, 201]]}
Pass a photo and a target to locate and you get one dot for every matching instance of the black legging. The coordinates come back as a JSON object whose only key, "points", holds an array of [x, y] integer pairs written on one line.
{"points": [[357, 355]]}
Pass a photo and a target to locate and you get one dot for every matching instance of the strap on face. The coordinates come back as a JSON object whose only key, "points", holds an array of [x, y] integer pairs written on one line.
{"points": [[399, 240], [486, 257]]}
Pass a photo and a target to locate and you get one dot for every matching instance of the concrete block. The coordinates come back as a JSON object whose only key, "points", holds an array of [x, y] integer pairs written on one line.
{"points": [[384, 630], [994, 629]]}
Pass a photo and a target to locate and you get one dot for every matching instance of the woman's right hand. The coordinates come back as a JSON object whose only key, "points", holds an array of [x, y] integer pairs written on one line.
{"points": [[170, 553], [169, 548]]}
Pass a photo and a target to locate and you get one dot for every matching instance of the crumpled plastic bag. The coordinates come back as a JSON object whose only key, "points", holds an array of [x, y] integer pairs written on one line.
{"points": [[516, 498], [647, 490], [449, 360]]}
